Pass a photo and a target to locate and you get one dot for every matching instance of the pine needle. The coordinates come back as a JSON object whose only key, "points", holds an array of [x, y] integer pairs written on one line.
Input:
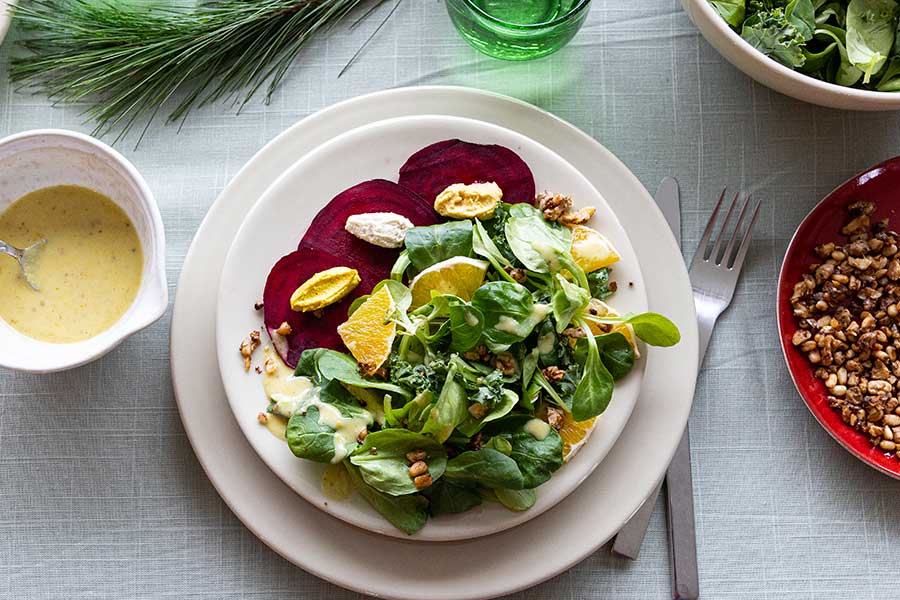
{"points": [[128, 61]]}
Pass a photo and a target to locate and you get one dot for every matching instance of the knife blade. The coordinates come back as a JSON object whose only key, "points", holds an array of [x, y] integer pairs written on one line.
{"points": [[629, 540]]}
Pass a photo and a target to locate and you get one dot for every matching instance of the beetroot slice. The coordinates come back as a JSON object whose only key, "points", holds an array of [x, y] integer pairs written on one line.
{"points": [[308, 331], [430, 170], [327, 233]]}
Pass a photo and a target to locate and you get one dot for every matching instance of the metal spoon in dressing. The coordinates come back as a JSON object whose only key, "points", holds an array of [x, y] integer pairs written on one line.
{"points": [[26, 259]]}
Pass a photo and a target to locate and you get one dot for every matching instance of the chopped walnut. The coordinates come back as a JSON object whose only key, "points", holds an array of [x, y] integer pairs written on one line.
{"points": [[557, 207], [284, 329], [553, 374], [362, 435], [518, 275], [553, 205], [479, 354], [574, 332], [263, 418], [506, 364], [422, 481], [578, 217], [270, 366], [555, 418], [420, 467], [847, 310], [416, 455], [477, 410], [248, 347]]}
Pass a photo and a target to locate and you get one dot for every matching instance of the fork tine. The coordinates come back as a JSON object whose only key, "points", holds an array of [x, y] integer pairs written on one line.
{"points": [[727, 255], [700, 254], [745, 243], [714, 256]]}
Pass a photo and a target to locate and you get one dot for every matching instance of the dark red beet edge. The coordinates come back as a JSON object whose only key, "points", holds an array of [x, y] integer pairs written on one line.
{"points": [[430, 170], [308, 331], [327, 244]]}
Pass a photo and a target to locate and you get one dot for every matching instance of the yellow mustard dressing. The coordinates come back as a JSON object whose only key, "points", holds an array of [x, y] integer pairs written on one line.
{"points": [[89, 272]]}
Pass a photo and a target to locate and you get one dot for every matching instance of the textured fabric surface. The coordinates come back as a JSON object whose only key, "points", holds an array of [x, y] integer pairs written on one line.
{"points": [[101, 495]]}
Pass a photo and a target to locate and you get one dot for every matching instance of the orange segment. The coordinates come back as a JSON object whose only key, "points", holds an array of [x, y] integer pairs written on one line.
{"points": [[366, 334], [574, 434], [591, 250]]}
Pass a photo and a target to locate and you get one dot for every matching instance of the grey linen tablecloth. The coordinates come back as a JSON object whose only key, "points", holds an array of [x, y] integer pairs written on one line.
{"points": [[101, 495]]}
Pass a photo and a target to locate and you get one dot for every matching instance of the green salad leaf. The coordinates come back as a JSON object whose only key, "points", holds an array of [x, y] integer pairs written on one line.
{"points": [[773, 34], [505, 401], [381, 460], [509, 313], [538, 244], [330, 364], [537, 457], [517, 500], [449, 410], [427, 246], [599, 284], [407, 513], [568, 300], [311, 436], [870, 34], [733, 11], [486, 467], [616, 353], [595, 389], [448, 498]]}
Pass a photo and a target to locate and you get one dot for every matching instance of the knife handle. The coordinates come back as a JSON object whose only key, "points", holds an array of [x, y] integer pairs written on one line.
{"points": [[682, 533]]}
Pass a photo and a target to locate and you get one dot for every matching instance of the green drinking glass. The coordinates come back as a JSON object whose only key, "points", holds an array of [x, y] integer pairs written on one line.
{"points": [[518, 29]]}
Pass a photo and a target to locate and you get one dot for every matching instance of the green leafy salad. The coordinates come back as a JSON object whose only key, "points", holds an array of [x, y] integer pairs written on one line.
{"points": [[474, 371], [850, 43]]}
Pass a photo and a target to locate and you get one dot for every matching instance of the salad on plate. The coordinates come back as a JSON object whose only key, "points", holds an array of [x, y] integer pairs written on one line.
{"points": [[446, 340]]}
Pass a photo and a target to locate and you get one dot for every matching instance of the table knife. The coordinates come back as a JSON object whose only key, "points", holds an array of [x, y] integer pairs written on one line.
{"points": [[629, 540]]}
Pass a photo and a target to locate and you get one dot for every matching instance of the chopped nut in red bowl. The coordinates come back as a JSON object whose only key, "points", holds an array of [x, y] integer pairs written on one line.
{"points": [[839, 315]]}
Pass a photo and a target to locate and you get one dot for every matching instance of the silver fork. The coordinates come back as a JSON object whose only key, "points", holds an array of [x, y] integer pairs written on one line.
{"points": [[714, 276]]}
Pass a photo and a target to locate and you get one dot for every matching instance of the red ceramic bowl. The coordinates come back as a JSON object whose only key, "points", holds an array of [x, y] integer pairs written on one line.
{"points": [[880, 184]]}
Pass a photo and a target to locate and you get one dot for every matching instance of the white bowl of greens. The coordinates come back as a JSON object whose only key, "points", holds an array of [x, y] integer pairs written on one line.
{"points": [[385, 500], [837, 53]]}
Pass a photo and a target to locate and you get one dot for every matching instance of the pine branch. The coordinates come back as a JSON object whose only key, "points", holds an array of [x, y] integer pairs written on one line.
{"points": [[129, 61]]}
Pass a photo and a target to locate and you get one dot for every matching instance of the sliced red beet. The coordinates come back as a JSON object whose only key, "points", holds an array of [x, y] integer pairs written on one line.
{"points": [[326, 232], [430, 170], [307, 330]]}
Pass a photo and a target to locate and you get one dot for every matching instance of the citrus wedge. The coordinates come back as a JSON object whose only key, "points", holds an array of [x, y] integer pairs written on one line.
{"points": [[459, 276], [591, 250], [367, 334], [574, 434]]}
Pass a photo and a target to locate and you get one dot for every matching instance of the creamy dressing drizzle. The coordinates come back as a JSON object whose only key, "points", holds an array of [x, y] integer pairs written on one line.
{"points": [[538, 429], [292, 394], [548, 254], [546, 342], [507, 325]]}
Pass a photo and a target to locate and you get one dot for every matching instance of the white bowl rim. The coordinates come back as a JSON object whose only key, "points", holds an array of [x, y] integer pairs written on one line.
{"points": [[873, 99], [5, 17], [155, 274]]}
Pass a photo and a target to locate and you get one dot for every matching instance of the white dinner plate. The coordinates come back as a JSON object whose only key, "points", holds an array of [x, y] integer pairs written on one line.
{"points": [[281, 217], [482, 567]]}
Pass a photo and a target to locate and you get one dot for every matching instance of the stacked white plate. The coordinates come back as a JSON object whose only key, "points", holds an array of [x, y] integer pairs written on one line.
{"points": [[633, 445]]}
